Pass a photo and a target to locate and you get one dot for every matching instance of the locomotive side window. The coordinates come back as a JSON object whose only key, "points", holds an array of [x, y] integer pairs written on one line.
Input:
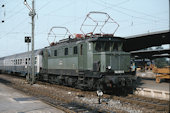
{"points": [[66, 51], [120, 48], [98, 46], [107, 46], [55, 52], [75, 50], [81, 49], [115, 47], [102, 46]]}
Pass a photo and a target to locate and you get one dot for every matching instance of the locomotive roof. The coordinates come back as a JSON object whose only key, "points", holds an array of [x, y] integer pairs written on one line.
{"points": [[36, 52], [106, 38], [90, 39]]}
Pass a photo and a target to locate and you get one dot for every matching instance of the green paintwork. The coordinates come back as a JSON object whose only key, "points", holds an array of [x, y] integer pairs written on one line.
{"points": [[63, 63], [87, 55], [45, 59]]}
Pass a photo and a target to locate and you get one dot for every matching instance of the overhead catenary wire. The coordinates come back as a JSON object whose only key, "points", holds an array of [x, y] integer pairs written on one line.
{"points": [[127, 9], [153, 19], [79, 18], [122, 12], [45, 5], [14, 28], [59, 9]]}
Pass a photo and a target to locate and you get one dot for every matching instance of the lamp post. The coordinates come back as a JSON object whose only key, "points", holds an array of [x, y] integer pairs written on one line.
{"points": [[32, 14]]}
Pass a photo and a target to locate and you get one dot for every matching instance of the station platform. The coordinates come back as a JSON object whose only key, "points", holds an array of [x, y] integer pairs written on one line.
{"points": [[149, 88], [13, 101]]}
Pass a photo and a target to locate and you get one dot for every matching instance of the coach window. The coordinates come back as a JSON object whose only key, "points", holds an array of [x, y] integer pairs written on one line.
{"points": [[23, 61], [35, 60], [20, 61], [75, 50], [66, 51], [26, 61], [55, 52], [29, 61]]}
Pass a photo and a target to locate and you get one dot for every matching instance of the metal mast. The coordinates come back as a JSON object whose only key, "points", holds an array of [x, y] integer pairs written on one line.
{"points": [[32, 14], [28, 40]]}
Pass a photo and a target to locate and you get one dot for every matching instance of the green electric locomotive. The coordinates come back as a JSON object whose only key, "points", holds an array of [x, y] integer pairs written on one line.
{"points": [[89, 61]]}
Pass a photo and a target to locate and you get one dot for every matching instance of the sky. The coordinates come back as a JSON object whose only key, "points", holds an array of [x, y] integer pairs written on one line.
{"points": [[133, 16]]}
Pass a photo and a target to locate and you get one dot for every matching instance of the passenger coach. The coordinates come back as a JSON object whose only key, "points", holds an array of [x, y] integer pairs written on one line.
{"points": [[20, 63]]}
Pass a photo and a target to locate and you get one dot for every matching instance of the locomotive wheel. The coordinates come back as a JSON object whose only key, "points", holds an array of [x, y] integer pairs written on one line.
{"points": [[59, 81], [100, 86], [90, 83], [70, 81], [158, 80]]}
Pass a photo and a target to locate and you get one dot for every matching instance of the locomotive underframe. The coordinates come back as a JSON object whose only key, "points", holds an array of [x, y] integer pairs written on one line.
{"points": [[88, 80]]}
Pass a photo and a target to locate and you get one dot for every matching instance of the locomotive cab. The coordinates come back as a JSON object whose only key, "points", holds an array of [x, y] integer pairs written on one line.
{"points": [[110, 61], [110, 55]]}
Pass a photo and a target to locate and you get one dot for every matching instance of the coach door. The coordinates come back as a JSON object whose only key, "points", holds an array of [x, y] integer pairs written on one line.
{"points": [[82, 57]]}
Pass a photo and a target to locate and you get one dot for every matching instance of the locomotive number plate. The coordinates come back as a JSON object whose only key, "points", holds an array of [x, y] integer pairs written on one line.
{"points": [[119, 71]]}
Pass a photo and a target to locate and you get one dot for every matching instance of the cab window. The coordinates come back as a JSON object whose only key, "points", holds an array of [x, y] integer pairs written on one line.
{"points": [[105, 46]]}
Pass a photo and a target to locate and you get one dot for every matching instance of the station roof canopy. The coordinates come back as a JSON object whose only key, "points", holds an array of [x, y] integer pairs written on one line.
{"points": [[151, 54], [143, 41]]}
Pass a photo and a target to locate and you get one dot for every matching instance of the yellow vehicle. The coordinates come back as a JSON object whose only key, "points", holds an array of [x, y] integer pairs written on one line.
{"points": [[162, 73]]}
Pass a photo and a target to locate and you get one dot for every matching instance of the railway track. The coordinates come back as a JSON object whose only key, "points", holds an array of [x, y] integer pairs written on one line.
{"points": [[50, 94], [149, 103], [51, 98]]}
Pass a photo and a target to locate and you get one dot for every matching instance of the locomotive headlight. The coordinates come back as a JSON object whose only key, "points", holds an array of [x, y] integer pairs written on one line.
{"points": [[109, 67]]}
